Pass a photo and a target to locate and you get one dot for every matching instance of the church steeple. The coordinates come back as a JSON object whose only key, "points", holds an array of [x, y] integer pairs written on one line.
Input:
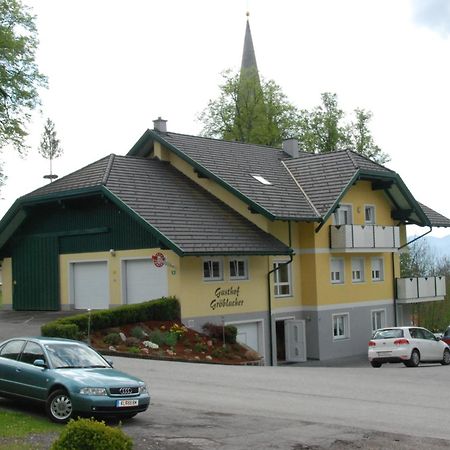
{"points": [[248, 55]]}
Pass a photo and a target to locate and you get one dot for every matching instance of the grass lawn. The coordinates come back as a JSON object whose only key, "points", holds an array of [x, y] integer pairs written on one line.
{"points": [[16, 429]]}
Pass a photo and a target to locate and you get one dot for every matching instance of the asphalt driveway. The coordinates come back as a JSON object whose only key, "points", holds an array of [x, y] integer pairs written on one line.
{"points": [[27, 323]]}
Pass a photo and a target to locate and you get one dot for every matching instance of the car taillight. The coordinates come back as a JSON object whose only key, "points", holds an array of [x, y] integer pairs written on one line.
{"points": [[372, 343], [401, 342]]}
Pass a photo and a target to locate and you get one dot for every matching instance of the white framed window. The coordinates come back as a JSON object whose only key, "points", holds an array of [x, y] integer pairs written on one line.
{"points": [[343, 215], [337, 270], [369, 214], [261, 179], [282, 279], [238, 268], [378, 319], [357, 270], [377, 269], [341, 326], [212, 269]]}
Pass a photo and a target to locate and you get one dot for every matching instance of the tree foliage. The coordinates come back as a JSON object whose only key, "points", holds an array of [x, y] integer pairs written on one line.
{"points": [[325, 129], [50, 147], [258, 112], [20, 78], [250, 110]]}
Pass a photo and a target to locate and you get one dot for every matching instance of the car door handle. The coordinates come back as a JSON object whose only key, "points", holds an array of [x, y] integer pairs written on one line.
{"points": [[18, 370]]}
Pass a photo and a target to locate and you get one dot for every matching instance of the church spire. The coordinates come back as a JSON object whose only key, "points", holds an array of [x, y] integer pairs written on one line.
{"points": [[248, 55]]}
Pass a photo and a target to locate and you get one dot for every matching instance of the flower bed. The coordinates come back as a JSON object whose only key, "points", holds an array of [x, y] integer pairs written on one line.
{"points": [[170, 340]]}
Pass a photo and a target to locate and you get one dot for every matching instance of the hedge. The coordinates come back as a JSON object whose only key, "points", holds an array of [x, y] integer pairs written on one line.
{"points": [[73, 327]]}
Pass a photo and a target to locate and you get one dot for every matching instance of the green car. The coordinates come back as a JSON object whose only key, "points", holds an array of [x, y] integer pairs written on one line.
{"points": [[70, 378]]}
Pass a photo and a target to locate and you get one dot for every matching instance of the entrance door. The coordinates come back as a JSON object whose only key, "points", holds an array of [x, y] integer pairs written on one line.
{"points": [[90, 285], [295, 340], [35, 267], [144, 281]]}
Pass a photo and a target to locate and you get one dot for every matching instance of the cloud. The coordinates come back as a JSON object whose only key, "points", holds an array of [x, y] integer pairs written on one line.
{"points": [[433, 14]]}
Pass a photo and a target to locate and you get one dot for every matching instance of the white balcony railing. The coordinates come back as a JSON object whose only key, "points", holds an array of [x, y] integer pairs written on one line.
{"points": [[415, 290], [365, 237]]}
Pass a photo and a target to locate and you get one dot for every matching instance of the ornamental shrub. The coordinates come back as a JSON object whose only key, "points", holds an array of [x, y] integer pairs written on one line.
{"points": [[112, 339], [137, 332], [62, 330], [89, 434], [217, 332]]}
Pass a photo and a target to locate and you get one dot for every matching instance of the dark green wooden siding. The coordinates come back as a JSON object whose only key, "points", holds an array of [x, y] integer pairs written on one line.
{"points": [[88, 225], [35, 274]]}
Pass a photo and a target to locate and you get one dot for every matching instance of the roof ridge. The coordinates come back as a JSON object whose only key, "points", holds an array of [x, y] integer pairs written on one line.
{"points": [[350, 155], [301, 189], [108, 169]]}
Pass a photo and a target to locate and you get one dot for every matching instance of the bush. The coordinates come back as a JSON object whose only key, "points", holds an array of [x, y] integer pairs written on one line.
{"points": [[217, 332], [138, 333], [88, 434], [162, 310], [112, 339], [198, 347], [157, 337], [170, 339], [62, 330]]}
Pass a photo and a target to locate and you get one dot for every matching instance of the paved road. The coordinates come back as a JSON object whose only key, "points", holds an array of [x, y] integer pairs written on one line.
{"points": [[222, 407]]}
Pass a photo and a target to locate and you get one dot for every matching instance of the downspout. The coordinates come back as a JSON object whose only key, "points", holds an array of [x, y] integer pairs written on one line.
{"points": [[291, 257], [395, 281]]}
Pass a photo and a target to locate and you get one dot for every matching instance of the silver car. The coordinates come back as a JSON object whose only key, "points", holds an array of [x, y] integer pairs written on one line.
{"points": [[409, 345]]}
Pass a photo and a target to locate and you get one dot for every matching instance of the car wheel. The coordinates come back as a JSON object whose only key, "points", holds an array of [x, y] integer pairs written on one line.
{"points": [[59, 406], [414, 360], [446, 358], [375, 364]]}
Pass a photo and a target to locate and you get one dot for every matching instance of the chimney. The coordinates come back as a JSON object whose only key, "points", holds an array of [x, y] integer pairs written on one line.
{"points": [[290, 146], [160, 124]]}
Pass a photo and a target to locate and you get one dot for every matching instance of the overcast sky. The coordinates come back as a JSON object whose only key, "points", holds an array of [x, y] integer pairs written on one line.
{"points": [[114, 66]]}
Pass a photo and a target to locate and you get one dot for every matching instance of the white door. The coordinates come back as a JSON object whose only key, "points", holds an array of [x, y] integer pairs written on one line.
{"points": [[144, 281], [90, 285], [247, 333], [295, 340]]}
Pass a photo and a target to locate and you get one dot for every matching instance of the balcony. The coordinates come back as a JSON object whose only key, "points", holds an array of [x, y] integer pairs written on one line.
{"points": [[364, 238], [418, 290]]}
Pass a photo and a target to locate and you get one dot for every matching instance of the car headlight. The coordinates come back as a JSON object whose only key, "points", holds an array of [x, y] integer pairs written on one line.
{"points": [[143, 389], [93, 391]]}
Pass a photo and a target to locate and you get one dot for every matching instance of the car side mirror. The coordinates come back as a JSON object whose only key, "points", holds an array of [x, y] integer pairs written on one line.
{"points": [[40, 363]]}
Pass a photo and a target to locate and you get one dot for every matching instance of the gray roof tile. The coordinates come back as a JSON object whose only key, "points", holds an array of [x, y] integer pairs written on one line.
{"points": [[189, 216]]}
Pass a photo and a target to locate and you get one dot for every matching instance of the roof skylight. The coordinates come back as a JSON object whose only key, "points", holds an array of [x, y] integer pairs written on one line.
{"points": [[261, 179]]}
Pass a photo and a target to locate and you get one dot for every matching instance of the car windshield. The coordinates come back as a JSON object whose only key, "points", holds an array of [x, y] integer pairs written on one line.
{"points": [[69, 356], [388, 334]]}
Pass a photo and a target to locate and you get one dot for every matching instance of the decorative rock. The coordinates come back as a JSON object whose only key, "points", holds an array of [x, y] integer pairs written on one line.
{"points": [[209, 357], [122, 336], [150, 344], [112, 348], [170, 352], [209, 343], [197, 357], [188, 350], [145, 350]]}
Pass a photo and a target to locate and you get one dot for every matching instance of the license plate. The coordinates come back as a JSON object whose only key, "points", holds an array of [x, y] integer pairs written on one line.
{"points": [[384, 353], [126, 403]]}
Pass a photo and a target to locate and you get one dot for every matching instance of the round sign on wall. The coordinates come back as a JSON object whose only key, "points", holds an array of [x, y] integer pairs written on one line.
{"points": [[158, 259]]}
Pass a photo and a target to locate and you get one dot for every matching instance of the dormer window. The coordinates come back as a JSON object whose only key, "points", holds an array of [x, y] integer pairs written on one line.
{"points": [[261, 179]]}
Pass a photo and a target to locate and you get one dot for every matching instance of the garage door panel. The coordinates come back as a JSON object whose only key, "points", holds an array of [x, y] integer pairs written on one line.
{"points": [[90, 285], [247, 333], [144, 281]]}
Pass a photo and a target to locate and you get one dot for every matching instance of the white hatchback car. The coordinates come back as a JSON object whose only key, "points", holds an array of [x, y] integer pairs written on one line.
{"points": [[409, 345]]}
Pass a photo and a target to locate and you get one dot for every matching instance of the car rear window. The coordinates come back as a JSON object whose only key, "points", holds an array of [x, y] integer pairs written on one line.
{"points": [[388, 334]]}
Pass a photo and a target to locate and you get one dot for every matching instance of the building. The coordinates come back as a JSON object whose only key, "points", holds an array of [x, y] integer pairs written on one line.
{"points": [[299, 251]]}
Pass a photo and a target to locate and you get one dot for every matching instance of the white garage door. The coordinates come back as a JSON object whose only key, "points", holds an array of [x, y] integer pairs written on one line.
{"points": [[247, 333], [144, 281], [90, 285]]}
